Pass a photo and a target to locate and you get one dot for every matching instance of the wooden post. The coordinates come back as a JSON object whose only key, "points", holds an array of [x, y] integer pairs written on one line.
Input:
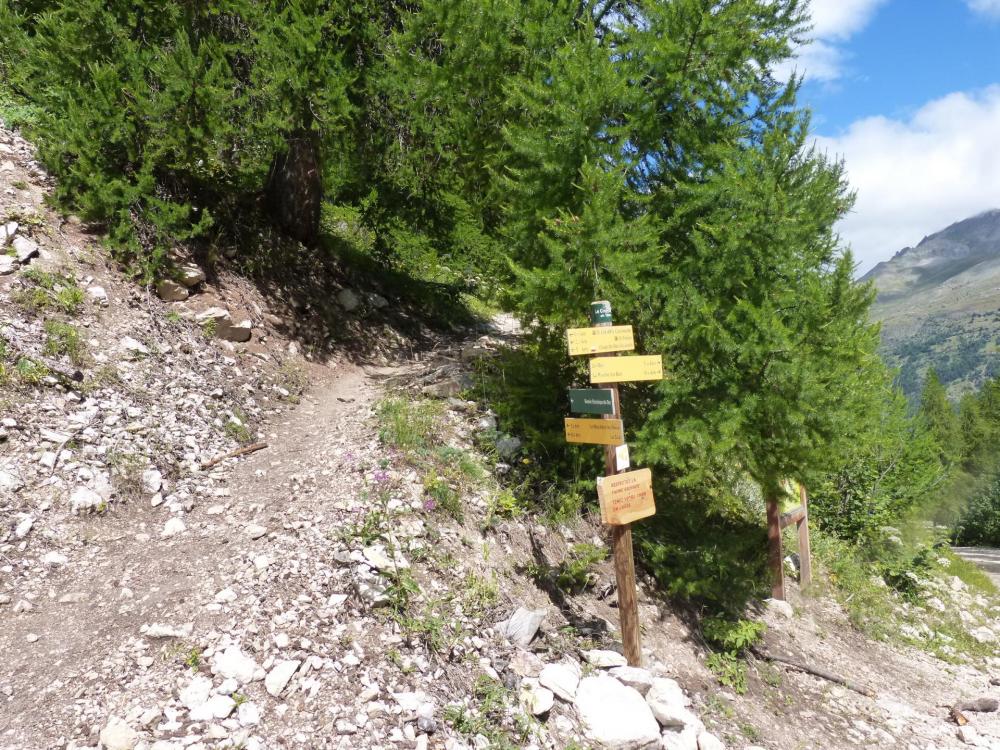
{"points": [[621, 536], [805, 559], [774, 556]]}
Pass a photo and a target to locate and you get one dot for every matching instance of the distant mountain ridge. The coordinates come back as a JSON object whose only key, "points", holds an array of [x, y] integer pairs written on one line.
{"points": [[939, 304]]}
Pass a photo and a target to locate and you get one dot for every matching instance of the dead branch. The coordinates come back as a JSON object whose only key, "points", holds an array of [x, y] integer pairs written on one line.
{"points": [[815, 671], [233, 454]]}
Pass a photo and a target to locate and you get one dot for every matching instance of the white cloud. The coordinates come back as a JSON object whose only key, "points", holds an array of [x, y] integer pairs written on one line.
{"points": [[833, 23], [914, 177], [986, 7]]}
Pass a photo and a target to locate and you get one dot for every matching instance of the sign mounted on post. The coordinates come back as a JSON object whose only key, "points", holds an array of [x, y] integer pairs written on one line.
{"points": [[595, 431], [619, 369], [592, 401], [600, 340], [626, 497]]}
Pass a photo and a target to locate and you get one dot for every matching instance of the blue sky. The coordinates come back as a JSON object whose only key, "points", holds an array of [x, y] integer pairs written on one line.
{"points": [[907, 92]]}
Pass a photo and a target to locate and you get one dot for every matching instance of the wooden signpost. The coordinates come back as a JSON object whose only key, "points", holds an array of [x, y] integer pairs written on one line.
{"points": [[776, 521], [624, 497]]}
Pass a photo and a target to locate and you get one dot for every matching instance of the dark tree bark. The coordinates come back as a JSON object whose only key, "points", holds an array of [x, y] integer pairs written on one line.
{"points": [[294, 189]]}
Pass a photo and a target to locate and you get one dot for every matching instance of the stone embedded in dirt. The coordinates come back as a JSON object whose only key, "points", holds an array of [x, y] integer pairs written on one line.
{"points": [[376, 556], [520, 627], [604, 659], [780, 608], [708, 741], [669, 704], [614, 715], [133, 346], [983, 634], [277, 679], [25, 249], [969, 735], [84, 500], [98, 295], [562, 679], [159, 630], [248, 714], [54, 559], [679, 739], [237, 332], [635, 677], [8, 264], [190, 275], [10, 482], [117, 735], [7, 232], [196, 692], [23, 527], [537, 700], [348, 300], [216, 707], [152, 481], [525, 664], [255, 531], [173, 527], [233, 663], [225, 596], [170, 291]]}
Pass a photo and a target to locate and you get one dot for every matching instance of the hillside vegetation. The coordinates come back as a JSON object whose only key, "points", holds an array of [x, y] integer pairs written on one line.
{"points": [[938, 305], [533, 156]]}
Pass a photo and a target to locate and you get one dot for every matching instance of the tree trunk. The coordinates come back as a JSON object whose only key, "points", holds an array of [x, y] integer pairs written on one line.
{"points": [[294, 188]]}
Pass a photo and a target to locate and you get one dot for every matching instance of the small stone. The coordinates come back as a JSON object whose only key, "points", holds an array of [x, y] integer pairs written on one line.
{"points": [[173, 527], [521, 626], [22, 528], [8, 264], [562, 679], [605, 659], [248, 714], [170, 291], [225, 596], [54, 559], [708, 741], [669, 704], [196, 692], [348, 300], [190, 275], [25, 249], [159, 630], [98, 294], [281, 640], [635, 677], [216, 707], [233, 663], [526, 664], [968, 735], [680, 739], [277, 679], [31, 637], [152, 481], [129, 344], [780, 608], [10, 482], [256, 531], [117, 735], [84, 500], [377, 557], [536, 700]]}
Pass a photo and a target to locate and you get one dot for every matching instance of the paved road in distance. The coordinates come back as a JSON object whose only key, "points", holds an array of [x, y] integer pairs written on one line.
{"points": [[986, 558]]}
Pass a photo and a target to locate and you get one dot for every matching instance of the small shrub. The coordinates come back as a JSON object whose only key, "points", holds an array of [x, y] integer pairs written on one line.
{"points": [[733, 638], [50, 291], [574, 573], [126, 473], [408, 425], [29, 372], [63, 339], [443, 496], [209, 327]]}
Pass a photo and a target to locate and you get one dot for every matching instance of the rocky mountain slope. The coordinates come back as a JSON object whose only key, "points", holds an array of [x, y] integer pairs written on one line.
{"points": [[939, 304], [210, 540]]}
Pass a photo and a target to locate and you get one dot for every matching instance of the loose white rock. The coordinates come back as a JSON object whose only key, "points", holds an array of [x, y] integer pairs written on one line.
{"points": [[669, 704], [233, 663], [129, 344], [605, 659], [780, 608], [279, 676], [117, 735], [684, 739], [196, 692], [562, 679], [152, 481], [216, 707], [248, 714], [708, 741], [635, 677], [84, 500], [614, 715], [173, 527], [536, 699], [54, 559], [520, 627]]}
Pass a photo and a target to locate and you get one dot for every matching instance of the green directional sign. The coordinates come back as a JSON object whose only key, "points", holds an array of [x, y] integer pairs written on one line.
{"points": [[591, 401]]}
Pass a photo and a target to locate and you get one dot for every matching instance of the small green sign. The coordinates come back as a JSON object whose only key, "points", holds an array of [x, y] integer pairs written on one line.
{"points": [[600, 312], [591, 401]]}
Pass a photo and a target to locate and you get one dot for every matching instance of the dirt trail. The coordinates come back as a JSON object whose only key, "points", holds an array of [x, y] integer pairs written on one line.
{"points": [[987, 558], [121, 575]]}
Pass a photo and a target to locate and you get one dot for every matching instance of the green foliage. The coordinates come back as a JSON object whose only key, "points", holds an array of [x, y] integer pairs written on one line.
{"points": [[406, 424], [63, 338], [50, 291], [733, 638], [29, 372], [979, 523]]}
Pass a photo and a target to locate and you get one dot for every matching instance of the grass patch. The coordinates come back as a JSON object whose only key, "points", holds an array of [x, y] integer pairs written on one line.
{"points": [[971, 574], [491, 716], [64, 339], [29, 372], [126, 473], [409, 425], [50, 291]]}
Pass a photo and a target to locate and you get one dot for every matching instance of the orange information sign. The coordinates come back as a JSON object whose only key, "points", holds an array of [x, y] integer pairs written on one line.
{"points": [[625, 369], [626, 497], [595, 431], [600, 340]]}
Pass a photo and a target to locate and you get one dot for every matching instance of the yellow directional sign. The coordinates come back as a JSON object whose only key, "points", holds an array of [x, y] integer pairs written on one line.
{"points": [[600, 340], [626, 497], [625, 369], [595, 431]]}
